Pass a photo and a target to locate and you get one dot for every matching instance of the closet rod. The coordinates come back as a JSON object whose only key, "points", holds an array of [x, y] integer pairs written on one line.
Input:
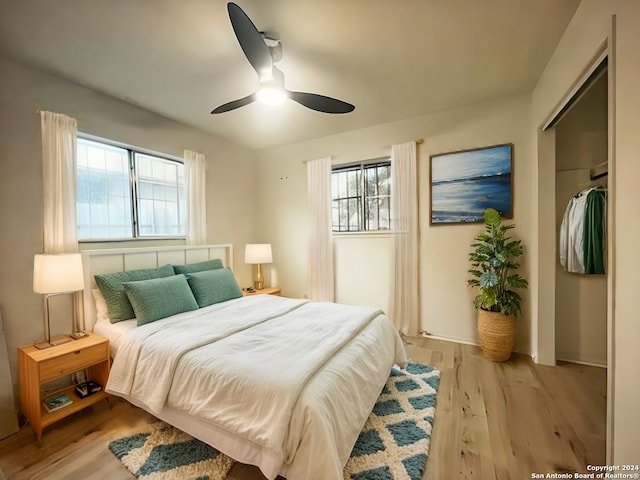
{"points": [[599, 171]]}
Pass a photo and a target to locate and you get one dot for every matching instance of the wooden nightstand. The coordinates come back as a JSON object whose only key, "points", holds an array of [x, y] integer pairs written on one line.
{"points": [[264, 291], [37, 367]]}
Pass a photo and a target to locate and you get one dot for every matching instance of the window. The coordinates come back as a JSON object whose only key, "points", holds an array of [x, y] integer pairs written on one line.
{"points": [[360, 196], [124, 194]]}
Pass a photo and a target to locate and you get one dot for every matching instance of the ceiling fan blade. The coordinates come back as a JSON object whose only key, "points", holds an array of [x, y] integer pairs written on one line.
{"points": [[250, 40], [321, 103], [241, 102]]}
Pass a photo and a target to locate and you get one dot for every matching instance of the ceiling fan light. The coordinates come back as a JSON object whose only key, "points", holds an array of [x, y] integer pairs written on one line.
{"points": [[271, 95]]}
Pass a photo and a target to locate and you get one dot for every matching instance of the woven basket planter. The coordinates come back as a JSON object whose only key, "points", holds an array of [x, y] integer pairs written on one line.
{"points": [[496, 335]]}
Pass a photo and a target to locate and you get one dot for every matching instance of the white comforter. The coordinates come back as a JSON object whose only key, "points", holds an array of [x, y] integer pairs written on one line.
{"points": [[289, 380]]}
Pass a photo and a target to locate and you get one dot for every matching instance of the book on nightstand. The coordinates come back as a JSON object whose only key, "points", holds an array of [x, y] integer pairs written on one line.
{"points": [[56, 402]]}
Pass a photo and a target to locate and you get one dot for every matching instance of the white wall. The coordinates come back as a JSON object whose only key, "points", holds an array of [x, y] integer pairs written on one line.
{"points": [[447, 308], [449, 311], [230, 187], [589, 28], [363, 269], [581, 300]]}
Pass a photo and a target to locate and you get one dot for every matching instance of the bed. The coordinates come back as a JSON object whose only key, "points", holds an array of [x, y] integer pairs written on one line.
{"points": [[284, 384]]}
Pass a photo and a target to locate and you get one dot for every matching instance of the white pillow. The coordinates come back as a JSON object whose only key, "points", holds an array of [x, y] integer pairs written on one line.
{"points": [[101, 306]]}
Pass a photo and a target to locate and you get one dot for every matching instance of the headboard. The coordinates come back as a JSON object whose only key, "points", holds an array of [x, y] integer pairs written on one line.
{"points": [[122, 259]]}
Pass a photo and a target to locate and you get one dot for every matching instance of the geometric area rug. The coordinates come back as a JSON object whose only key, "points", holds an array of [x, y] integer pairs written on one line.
{"points": [[163, 452], [393, 444]]}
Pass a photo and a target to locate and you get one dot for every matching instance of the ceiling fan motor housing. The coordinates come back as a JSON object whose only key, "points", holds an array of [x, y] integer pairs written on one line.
{"points": [[275, 47]]}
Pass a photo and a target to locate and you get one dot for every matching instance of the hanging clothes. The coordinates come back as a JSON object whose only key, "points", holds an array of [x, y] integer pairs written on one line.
{"points": [[564, 235], [582, 232], [594, 232], [571, 235]]}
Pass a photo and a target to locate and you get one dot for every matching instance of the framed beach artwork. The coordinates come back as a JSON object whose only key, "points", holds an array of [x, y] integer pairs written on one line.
{"points": [[465, 183]]}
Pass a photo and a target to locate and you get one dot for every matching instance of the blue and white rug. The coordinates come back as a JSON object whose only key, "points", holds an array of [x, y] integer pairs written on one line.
{"points": [[393, 444], [166, 453]]}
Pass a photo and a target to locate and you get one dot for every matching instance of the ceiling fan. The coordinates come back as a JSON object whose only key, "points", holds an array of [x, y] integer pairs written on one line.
{"points": [[262, 53]]}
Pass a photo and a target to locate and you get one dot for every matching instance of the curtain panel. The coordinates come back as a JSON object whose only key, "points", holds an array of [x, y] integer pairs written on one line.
{"points": [[404, 304], [59, 134], [59, 191], [321, 268], [196, 197]]}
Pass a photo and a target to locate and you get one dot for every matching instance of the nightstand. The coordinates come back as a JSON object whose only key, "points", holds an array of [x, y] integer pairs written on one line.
{"points": [[263, 291], [36, 367]]}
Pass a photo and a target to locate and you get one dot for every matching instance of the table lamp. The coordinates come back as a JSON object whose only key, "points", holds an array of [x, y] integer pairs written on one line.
{"points": [[258, 253], [56, 275]]}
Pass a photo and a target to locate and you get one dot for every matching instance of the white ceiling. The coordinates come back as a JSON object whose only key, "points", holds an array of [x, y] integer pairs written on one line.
{"points": [[392, 59]]}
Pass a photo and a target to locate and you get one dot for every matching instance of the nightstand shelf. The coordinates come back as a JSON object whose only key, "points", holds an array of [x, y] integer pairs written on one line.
{"points": [[37, 367], [263, 291], [48, 418]]}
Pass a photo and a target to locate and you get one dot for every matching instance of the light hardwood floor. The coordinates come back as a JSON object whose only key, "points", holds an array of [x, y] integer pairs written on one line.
{"points": [[493, 421]]}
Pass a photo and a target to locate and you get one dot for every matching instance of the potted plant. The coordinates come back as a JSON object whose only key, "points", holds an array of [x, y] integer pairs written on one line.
{"points": [[493, 261]]}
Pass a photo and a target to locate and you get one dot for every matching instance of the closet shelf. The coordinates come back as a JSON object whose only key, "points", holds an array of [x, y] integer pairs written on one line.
{"points": [[599, 171]]}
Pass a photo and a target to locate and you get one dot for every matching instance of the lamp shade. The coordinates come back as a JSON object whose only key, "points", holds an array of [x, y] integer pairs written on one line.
{"points": [[258, 253], [57, 273]]}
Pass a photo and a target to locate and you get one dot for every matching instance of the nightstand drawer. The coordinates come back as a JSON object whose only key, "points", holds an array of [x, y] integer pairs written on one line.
{"points": [[71, 362]]}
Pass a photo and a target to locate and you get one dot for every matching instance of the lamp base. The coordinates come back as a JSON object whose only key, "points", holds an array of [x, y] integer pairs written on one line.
{"points": [[52, 343], [259, 280], [60, 340]]}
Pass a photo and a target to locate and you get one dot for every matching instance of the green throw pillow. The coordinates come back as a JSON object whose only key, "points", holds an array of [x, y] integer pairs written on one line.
{"points": [[214, 286], [198, 267], [110, 285], [160, 298]]}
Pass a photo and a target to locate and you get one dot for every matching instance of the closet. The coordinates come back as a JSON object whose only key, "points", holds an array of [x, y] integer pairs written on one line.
{"points": [[581, 163]]}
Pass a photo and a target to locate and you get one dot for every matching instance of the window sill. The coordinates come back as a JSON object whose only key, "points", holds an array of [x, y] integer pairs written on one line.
{"points": [[377, 233]]}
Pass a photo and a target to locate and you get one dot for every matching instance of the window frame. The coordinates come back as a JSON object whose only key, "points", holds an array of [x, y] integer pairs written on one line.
{"points": [[133, 178], [363, 196]]}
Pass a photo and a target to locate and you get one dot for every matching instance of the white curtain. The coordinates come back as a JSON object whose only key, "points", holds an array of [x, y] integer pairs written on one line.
{"points": [[59, 171], [196, 193], [405, 305], [321, 271], [59, 188]]}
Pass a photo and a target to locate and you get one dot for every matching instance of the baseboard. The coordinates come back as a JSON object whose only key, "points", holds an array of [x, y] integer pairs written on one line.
{"points": [[449, 339], [580, 362], [463, 341]]}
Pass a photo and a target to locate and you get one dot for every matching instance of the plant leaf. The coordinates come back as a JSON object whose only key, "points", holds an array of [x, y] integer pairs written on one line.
{"points": [[488, 279], [491, 217], [516, 281]]}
